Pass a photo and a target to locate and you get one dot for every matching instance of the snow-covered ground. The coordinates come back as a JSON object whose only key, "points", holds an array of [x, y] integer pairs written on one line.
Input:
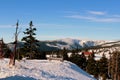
{"points": [[42, 70]]}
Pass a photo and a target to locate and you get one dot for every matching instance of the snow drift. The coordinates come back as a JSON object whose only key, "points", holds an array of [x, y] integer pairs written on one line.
{"points": [[42, 70]]}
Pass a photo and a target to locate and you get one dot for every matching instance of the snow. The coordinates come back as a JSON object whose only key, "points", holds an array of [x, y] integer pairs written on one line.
{"points": [[51, 45], [106, 52], [42, 70], [77, 42], [67, 43]]}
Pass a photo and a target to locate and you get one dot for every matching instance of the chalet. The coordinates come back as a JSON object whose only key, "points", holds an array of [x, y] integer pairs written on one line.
{"points": [[86, 53]]}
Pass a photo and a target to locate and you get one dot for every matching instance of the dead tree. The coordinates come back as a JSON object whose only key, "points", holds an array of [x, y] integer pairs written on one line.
{"points": [[13, 54]]}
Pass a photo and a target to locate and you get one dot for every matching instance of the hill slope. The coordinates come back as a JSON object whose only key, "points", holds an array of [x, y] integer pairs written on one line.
{"points": [[42, 70]]}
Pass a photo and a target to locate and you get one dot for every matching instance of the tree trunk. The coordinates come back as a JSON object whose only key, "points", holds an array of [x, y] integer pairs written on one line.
{"points": [[11, 60], [13, 55]]}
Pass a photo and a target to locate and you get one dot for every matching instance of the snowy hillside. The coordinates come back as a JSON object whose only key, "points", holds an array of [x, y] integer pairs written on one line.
{"points": [[42, 70]]}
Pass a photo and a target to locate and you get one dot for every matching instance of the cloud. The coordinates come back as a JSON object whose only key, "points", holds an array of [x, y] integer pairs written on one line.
{"points": [[70, 12], [95, 16], [117, 16], [96, 19], [97, 12], [6, 26], [107, 19], [80, 17]]}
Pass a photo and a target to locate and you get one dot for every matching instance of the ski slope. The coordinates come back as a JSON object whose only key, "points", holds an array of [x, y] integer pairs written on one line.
{"points": [[42, 70]]}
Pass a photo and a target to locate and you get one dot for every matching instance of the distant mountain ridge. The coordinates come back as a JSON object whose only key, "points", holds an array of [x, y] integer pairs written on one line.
{"points": [[67, 43], [73, 43]]}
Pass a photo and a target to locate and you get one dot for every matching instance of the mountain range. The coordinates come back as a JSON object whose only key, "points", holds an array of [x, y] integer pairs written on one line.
{"points": [[67, 43]]}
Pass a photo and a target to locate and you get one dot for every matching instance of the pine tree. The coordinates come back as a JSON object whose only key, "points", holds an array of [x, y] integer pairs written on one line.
{"points": [[30, 45], [103, 67], [92, 66], [65, 56], [78, 59], [109, 65], [84, 61], [115, 66], [75, 58]]}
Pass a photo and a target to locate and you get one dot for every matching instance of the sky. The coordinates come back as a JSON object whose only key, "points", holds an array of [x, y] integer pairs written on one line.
{"points": [[56, 19]]}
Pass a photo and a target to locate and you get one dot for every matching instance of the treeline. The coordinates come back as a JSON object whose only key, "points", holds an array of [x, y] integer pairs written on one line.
{"points": [[103, 68]]}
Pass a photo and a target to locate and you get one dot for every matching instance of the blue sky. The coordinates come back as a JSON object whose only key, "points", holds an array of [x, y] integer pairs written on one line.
{"points": [[56, 19]]}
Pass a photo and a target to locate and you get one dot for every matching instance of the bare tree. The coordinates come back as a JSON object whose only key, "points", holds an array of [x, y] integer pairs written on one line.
{"points": [[13, 54]]}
